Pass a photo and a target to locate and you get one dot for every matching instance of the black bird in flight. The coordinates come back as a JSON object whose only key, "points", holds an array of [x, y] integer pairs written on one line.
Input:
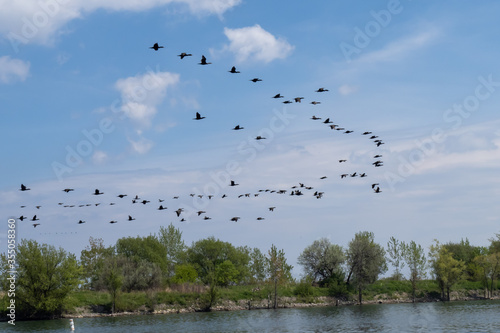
{"points": [[233, 70], [184, 54], [233, 183], [198, 116], [204, 61], [35, 224], [328, 121], [156, 47], [81, 222], [121, 196], [24, 188], [377, 156], [321, 90], [162, 208], [235, 219], [271, 209], [366, 133], [21, 218], [130, 218], [377, 190], [35, 218], [259, 137], [298, 99], [278, 96], [287, 102], [340, 161], [255, 79], [315, 103], [67, 190], [113, 221], [207, 218], [315, 118], [96, 192], [238, 127]]}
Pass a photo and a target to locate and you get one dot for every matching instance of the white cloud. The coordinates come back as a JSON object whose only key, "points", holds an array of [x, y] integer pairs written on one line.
{"points": [[13, 69], [347, 89], [400, 48], [26, 21], [257, 44], [99, 157], [142, 146], [142, 94]]}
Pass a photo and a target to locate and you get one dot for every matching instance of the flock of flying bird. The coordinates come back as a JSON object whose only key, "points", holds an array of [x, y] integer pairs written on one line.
{"points": [[295, 190]]}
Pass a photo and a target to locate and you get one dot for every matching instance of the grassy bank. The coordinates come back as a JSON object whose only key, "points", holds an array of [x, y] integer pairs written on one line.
{"points": [[88, 303]]}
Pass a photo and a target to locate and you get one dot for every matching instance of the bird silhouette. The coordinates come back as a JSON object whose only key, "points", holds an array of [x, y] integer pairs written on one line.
{"points": [[35, 218], [198, 116], [233, 70], [184, 54], [271, 209], [328, 121], [67, 190], [315, 102], [260, 218], [162, 208], [233, 183], [204, 61], [179, 211], [21, 218], [81, 222], [259, 138], [156, 47], [256, 79], [130, 218], [238, 127], [235, 219], [121, 196], [200, 212], [24, 188], [377, 190], [113, 221], [321, 90], [287, 102], [207, 218], [278, 96], [298, 99], [315, 118], [342, 161], [35, 224], [96, 192]]}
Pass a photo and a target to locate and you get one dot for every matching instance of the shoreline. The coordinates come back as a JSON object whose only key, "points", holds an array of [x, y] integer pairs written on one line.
{"points": [[285, 303]]}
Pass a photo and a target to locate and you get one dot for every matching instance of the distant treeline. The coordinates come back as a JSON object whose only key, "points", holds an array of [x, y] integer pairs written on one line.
{"points": [[45, 276]]}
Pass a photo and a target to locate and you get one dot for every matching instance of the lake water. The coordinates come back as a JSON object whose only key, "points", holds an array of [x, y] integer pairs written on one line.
{"points": [[475, 316]]}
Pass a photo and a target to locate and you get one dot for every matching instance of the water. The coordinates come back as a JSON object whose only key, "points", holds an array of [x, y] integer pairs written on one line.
{"points": [[476, 316]]}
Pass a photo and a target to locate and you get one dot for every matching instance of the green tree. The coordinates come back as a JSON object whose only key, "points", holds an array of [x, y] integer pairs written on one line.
{"points": [[366, 261], [465, 252], [279, 271], [171, 238], [395, 256], [147, 249], [185, 273], [45, 277], [414, 256], [495, 244], [446, 269], [139, 275], [92, 261], [112, 279], [218, 264], [490, 268], [257, 266], [322, 260]]}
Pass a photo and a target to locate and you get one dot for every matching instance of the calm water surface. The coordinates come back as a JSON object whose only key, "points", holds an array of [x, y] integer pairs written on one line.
{"points": [[476, 316]]}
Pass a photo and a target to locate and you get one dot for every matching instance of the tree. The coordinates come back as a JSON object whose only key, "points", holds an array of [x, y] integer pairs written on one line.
{"points": [[414, 256], [322, 260], [366, 261], [466, 253], [171, 238], [92, 261], [112, 279], [395, 256], [218, 264], [146, 248], [446, 269], [278, 270], [45, 277], [490, 268], [185, 273], [257, 266]]}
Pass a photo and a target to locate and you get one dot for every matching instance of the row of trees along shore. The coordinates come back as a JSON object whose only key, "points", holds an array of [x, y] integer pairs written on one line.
{"points": [[46, 276]]}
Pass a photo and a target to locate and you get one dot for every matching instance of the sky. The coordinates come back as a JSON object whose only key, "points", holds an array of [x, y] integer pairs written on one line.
{"points": [[87, 104]]}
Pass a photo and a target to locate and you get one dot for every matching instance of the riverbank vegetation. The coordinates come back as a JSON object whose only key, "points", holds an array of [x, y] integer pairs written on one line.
{"points": [[160, 273]]}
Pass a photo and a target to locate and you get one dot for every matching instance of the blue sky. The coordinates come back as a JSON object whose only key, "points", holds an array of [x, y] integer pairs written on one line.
{"points": [[87, 104]]}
